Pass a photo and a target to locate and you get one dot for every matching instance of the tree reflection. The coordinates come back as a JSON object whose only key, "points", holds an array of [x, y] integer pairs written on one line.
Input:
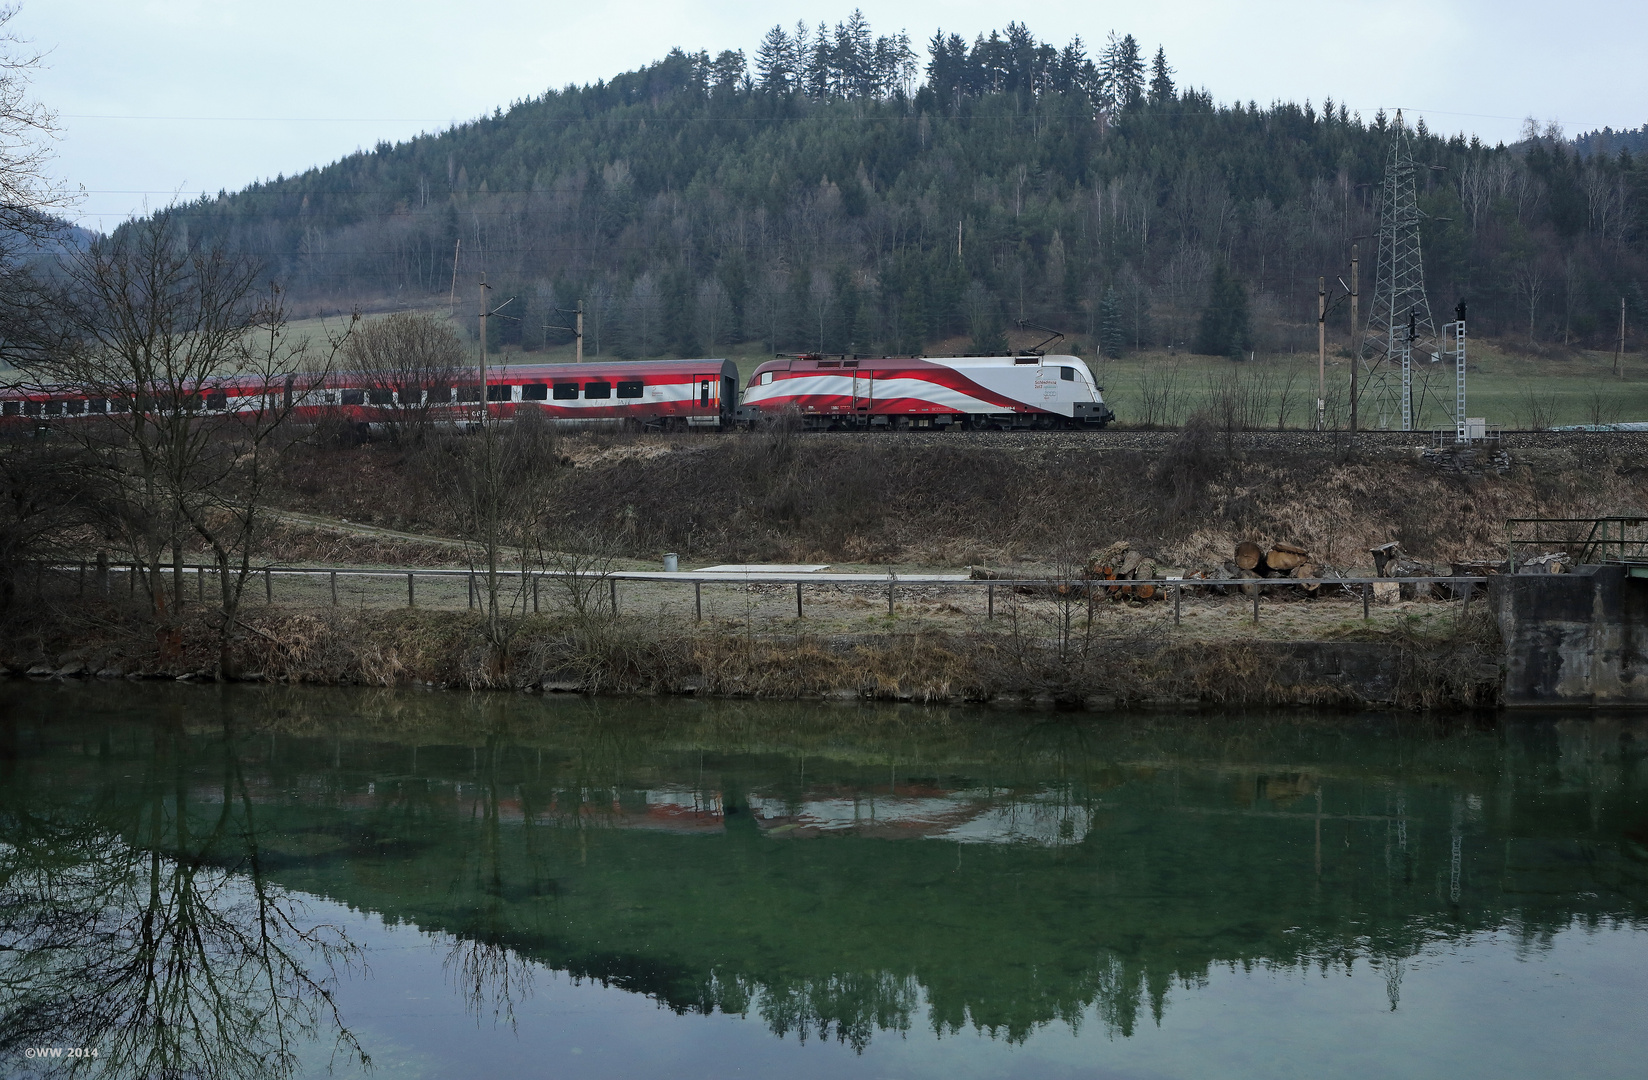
{"points": [[139, 922]]}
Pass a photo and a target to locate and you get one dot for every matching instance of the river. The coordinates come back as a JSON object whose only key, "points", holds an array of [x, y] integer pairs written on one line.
{"points": [[271, 882]]}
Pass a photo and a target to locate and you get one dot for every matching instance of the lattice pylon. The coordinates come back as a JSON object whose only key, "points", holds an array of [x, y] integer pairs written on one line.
{"points": [[1399, 294]]}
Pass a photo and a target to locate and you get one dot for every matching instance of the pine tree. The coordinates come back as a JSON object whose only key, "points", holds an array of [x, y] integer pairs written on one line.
{"points": [[1112, 335], [1161, 79], [1225, 329], [776, 62]]}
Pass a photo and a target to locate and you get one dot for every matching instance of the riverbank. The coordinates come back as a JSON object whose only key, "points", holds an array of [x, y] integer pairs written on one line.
{"points": [[1447, 663]]}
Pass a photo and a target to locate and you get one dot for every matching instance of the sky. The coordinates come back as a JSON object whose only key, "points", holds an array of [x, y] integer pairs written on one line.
{"points": [[160, 99]]}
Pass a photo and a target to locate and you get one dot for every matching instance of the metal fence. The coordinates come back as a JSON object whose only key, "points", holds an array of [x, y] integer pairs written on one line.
{"points": [[1585, 540], [525, 590]]}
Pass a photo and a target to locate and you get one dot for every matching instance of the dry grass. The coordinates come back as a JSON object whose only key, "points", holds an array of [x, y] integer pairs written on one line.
{"points": [[1452, 665]]}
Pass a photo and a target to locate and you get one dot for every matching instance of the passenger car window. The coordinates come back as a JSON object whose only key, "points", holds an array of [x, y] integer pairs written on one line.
{"points": [[381, 397], [630, 389], [217, 399], [594, 390], [535, 391], [566, 391], [354, 397], [496, 392], [12, 408]]}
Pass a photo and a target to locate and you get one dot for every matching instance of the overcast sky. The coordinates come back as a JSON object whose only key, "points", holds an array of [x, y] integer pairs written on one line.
{"points": [[157, 97]]}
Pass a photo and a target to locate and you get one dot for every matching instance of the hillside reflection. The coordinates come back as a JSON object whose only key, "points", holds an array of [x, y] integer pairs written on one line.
{"points": [[834, 872]]}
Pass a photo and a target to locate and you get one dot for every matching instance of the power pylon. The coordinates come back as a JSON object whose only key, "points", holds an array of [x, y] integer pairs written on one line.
{"points": [[1400, 330]]}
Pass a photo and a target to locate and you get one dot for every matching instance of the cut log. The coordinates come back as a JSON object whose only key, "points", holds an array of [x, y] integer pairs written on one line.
{"points": [[1308, 573], [1248, 555], [1286, 557]]}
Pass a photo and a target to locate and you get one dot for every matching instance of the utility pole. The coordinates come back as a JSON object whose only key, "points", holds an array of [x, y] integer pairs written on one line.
{"points": [[1619, 353], [486, 407], [1355, 329], [452, 305], [1321, 353]]}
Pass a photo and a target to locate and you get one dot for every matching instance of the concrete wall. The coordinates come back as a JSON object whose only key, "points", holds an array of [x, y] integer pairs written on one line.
{"points": [[1574, 639]]}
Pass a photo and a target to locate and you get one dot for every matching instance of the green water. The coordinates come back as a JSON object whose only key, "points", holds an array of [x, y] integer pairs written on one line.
{"points": [[270, 882]]}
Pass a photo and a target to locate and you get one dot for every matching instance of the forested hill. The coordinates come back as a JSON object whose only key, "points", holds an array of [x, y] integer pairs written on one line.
{"points": [[843, 193]]}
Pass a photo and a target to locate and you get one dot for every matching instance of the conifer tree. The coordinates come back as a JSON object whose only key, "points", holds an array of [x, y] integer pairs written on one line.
{"points": [[1112, 335], [775, 62], [1161, 79], [1224, 329]]}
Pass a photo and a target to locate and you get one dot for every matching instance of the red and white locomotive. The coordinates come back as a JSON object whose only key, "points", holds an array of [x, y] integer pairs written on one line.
{"points": [[981, 392]]}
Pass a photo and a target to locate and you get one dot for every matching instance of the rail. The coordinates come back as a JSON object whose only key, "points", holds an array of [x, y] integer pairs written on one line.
{"points": [[528, 581]]}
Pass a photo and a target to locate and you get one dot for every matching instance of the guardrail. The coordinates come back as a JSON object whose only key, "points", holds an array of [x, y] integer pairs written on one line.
{"points": [[530, 581], [1588, 540]]}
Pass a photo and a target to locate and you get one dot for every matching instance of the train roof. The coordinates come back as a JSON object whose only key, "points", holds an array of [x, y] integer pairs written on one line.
{"points": [[807, 361], [608, 367]]}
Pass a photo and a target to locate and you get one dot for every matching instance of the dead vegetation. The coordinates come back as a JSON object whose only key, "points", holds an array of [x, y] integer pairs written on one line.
{"points": [[1063, 658], [781, 496]]}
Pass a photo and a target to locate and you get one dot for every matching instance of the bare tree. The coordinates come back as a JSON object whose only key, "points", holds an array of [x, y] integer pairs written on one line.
{"points": [[28, 194], [408, 364], [191, 377]]}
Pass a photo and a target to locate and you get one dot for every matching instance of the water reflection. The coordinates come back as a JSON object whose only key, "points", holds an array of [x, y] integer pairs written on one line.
{"points": [[136, 919], [832, 873]]}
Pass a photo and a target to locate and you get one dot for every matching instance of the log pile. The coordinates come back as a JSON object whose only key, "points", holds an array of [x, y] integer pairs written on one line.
{"points": [[1121, 562], [1252, 560]]}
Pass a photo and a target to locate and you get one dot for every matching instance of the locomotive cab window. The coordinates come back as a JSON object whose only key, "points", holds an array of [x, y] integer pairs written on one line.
{"points": [[535, 391], [630, 389], [1068, 374], [593, 390], [496, 392], [566, 391]]}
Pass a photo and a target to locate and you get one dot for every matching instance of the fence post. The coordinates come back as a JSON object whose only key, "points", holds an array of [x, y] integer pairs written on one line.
{"points": [[990, 600], [1177, 591], [535, 580], [698, 601], [131, 585], [612, 586], [82, 578], [200, 583], [410, 599], [268, 587], [334, 577], [1256, 604], [472, 592], [1367, 598], [103, 572], [889, 598], [798, 599]]}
